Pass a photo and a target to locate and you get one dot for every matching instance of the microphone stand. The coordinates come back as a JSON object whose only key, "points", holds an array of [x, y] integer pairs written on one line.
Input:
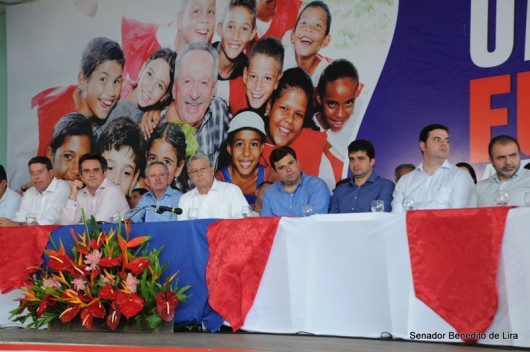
{"points": [[136, 210]]}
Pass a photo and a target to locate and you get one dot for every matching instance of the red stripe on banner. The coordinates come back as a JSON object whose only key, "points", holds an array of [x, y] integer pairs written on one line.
{"points": [[21, 254], [239, 250], [454, 256], [52, 347]]}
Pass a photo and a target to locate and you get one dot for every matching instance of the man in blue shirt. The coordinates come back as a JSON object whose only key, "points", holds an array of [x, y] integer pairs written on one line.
{"points": [[356, 196], [157, 178], [288, 197]]}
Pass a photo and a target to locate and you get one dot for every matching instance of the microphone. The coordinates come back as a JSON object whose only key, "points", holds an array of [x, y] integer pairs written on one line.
{"points": [[161, 209]]}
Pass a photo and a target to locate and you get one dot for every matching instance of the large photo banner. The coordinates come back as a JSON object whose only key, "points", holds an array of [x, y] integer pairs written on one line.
{"points": [[100, 76]]}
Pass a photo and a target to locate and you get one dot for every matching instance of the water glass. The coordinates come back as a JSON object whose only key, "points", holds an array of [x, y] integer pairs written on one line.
{"points": [[245, 211], [501, 197], [378, 206], [408, 203], [307, 209], [31, 219], [115, 218], [193, 213], [527, 199]]}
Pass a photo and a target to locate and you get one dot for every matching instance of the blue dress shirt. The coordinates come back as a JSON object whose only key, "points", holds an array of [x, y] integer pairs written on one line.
{"points": [[169, 199], [311, 190], [350, 198]]}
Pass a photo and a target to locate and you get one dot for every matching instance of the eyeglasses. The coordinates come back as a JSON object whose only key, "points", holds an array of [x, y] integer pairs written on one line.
{"points": [[200, 170]]}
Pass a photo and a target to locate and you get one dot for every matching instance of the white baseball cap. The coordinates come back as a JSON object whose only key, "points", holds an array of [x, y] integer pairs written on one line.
{"points": [[247, 119]]}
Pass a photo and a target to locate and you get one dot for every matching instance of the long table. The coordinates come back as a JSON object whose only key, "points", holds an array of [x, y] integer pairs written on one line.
{"points": [[350, 275]]}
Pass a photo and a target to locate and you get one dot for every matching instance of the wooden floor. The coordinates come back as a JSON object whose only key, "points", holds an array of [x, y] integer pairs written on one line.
{"points": [[226, 341]]}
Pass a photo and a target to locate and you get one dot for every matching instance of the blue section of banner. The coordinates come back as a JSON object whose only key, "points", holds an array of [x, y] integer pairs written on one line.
{"points": [[426, 79]]}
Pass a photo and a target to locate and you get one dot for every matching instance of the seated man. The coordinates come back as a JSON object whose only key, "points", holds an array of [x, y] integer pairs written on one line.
{"points": [[45, 198], [95, 194], [9, 199], [356, 196], [435, 184], [288, 196], [403, 169], [157, 178], [505, 155], [210, 197]]}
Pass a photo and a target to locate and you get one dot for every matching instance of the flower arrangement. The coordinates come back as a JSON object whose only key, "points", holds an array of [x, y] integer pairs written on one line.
{"points": [[107, 276]]}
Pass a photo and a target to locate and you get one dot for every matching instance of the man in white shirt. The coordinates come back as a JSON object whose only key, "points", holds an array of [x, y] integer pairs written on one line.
{"points": [[45, 198], [96, 195], [435, 184], [9, 199], [211, 198], [505, 156]]}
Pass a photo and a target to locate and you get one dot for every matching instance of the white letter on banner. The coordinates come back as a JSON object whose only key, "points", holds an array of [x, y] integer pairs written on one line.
{"points": [[504, 32]]}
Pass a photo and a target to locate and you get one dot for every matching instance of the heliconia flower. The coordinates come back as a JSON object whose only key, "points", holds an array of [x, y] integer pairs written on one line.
{"points": [[69, 313], [138, 265], [129, 304], [79, 284], [131, 282], [92, 260], [107, 292], [87, 319], [50, 282], [96, 309], [113, 318], [166, 305], [60, 262]]}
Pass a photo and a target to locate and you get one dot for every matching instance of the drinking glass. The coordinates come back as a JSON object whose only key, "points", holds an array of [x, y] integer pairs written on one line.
{"points": [[115, 218], [408, 203], [307, 209], [378, 206], [527, 199], [501, 197], [31, 219], [193, 213], [245, 211]]}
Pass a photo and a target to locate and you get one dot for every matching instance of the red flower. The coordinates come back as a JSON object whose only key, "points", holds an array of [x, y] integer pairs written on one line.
{"points": [[87, 319], [44, 304], [96, 309], [110, 262], [96, 243], [166, 305], [69, 313], [60, 262], [107, 292], [138, 265], [129, 304], [113, 319]]}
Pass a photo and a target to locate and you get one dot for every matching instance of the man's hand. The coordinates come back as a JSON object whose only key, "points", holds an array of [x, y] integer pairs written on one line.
{"points": [[149, 121], [5, 222], [75, 186]]}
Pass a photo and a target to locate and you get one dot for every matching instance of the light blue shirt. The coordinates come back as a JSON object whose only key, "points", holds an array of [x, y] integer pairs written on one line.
{"points": [[311, 190], [170, 199], [9, 204]]}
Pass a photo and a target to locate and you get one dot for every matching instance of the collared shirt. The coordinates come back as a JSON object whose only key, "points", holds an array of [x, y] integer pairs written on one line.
{"points": [[483, 194], [170, 198], [47, 205], [223, 201], [9, 203], [448, 187], [107, 202], [350, 198], [311, 190]]}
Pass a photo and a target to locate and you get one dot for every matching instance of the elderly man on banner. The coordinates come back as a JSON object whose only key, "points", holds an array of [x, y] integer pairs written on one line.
{"points": [[42, 203], [160, 194], [510, 185], [210, 198], [95, 194], [196, 70], [435, 184], [295, 194]]}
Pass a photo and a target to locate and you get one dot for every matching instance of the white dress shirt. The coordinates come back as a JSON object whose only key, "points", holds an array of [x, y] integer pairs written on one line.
{"points": [[483, 194], [223, 201], [448, 187], [107, 202], [47, 205], [9, 204]]}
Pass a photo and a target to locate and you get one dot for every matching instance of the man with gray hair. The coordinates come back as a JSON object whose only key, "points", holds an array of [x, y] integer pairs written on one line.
{"points": [[196, 69], [210, 198], [160, 194]]}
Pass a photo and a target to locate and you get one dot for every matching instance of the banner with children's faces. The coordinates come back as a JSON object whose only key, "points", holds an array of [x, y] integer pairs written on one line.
{"points": [[70, 90]]}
